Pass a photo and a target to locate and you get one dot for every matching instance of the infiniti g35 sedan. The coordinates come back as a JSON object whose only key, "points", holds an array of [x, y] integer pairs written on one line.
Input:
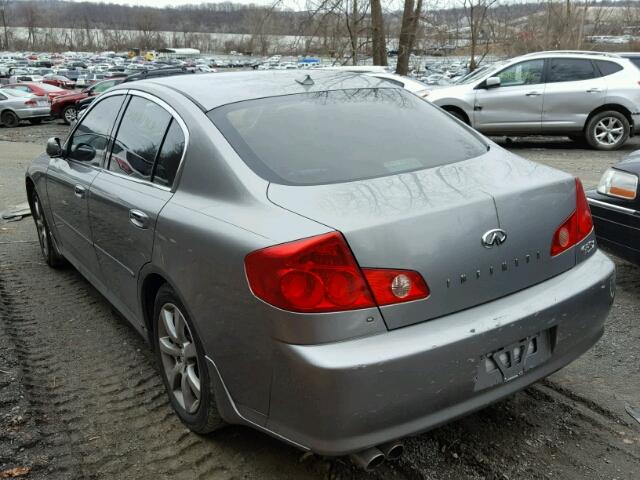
{"points": [[327, 258]]}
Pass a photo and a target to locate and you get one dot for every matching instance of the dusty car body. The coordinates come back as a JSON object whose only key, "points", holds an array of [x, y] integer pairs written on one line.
{"points": [[336, 298]]}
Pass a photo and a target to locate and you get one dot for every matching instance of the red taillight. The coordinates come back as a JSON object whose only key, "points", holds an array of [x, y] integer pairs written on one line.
{"points": [[31, 103], [320, 274], [576, 227]]}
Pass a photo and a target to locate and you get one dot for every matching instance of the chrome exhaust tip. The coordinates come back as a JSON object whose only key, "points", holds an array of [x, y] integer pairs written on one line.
{"points": [[392, 450], [368, 459]]}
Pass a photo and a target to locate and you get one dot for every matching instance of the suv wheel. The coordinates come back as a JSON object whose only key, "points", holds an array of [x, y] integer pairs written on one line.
{"points": [[69, 114], [9, 119], [607, 130], [182, 364]]}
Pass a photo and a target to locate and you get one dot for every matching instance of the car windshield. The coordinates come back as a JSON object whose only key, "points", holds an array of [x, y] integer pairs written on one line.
{"points": [[343, 135]]}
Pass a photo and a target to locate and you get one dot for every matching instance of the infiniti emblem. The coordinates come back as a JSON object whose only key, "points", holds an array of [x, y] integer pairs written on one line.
{"points": [[494, 238]]}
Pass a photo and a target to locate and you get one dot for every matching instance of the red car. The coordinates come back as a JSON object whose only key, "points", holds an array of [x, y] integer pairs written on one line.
{"points": [[58, 81], [38, 89], [64, 106]]}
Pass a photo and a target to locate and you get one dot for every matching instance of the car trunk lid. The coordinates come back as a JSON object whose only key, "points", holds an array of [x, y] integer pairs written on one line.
{"points": [[433, 221]]}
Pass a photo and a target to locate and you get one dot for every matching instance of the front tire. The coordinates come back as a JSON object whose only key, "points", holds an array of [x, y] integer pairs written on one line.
{"points": [[9, 119], [607, 130], [69, 114], [182, 364], [48, 245]]}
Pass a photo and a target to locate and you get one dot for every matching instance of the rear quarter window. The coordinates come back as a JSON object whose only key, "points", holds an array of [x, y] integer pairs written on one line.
{"points": [[608, 68], [343, 135]]}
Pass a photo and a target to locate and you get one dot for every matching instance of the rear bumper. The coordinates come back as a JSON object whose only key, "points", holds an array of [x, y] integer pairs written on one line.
{"points": [[342, 397]]}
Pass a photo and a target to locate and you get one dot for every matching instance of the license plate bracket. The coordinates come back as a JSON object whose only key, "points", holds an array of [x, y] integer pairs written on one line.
{"points": [[514, 360]]}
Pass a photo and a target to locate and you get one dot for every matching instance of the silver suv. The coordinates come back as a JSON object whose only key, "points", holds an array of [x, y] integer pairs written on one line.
{"points": [[582, 95]]}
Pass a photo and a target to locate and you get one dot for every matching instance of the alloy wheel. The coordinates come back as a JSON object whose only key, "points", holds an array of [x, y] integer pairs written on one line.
{"points": [[70, 114], [179, 358], [41, 227], [609, 131]]}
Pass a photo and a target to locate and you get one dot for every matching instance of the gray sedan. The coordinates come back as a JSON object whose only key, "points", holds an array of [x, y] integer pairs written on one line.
{"points": [[326, 258], [16, 106]]}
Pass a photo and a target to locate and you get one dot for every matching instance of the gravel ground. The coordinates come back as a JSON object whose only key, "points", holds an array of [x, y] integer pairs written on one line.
{"points": [[80, 396]]}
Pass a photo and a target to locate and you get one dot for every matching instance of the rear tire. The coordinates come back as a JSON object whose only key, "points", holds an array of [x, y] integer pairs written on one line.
{"points": [[607, 130], [182, 364], [48, 245], [9, 119], [69, 114]]}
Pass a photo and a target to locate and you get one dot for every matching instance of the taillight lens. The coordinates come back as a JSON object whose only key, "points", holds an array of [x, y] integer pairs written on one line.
{"points": [[393, 286], [320, 274], [31, 103], [575, 228]]}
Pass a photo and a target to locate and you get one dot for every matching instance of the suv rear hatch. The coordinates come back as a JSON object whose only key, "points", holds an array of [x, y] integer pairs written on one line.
{"points": [[433, 221]]}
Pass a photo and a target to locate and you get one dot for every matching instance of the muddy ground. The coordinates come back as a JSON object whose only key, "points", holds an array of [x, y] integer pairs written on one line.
{"points": [[80, 397]]}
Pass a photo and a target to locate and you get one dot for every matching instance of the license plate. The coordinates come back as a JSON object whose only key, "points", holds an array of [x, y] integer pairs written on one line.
{"points": [[513, 361]]}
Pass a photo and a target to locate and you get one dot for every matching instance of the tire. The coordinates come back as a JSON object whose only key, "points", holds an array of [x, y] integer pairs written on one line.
{"points": [[180, 358], [48, 244], [9, 119], [607, 130], [35, 121], [69, 114]]}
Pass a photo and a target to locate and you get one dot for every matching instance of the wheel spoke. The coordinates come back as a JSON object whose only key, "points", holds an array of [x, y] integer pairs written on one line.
{"points": [[187, 395], [190, 352], [172, 376], [610, 138], [193, 380], [180, 325], [600, 135], [169, 325], [168, 347]]}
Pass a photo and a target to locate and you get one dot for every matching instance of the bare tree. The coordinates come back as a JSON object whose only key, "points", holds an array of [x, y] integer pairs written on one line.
{"points": [[4, 15], [410, 21], [476, 12], [379, 45]]}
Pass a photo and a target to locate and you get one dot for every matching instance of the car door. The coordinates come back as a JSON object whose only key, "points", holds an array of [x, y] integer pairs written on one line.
{"points": [[574, 89], [127, 197], [515, 106], [70, 176]]}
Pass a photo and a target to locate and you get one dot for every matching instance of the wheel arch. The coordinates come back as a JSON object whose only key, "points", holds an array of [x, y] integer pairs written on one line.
{"points": [[454, 108], [149, 287], [616, 107]]}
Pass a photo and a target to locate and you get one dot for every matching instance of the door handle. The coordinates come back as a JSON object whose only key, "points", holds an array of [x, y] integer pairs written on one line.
{"points": [[138, 218], [594, 90], [79, 191], [533, 94]]}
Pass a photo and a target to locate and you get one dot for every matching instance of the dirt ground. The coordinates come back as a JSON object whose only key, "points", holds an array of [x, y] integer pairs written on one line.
{"points": [[80, 397]]}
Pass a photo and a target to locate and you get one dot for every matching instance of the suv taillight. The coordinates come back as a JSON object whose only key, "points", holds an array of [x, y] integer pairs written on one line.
{"points": [[575, 228], [320, 274]]}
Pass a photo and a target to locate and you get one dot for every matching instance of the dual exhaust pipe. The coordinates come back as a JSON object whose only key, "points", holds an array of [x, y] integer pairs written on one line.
{"points": [[373, 457]]}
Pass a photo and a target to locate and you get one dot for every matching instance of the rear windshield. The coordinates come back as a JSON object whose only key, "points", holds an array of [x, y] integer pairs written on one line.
{"points": [[343, 135]]}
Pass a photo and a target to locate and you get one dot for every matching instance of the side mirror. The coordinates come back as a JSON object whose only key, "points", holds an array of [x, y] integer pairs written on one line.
{"points": [[492, 82], [53, 147], [83, 152]]}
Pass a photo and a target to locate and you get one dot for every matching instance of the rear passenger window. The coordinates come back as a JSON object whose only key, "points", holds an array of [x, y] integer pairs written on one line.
{"points": [[570, 70], [170, 156], [139, 138], [607, 68]]}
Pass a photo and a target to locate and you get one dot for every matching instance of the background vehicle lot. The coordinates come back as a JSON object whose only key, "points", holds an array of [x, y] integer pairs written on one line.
{"points": [[98, 408]]}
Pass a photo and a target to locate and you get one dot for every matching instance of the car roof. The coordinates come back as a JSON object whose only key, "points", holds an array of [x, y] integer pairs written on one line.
{"points": [[211, 90]]}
